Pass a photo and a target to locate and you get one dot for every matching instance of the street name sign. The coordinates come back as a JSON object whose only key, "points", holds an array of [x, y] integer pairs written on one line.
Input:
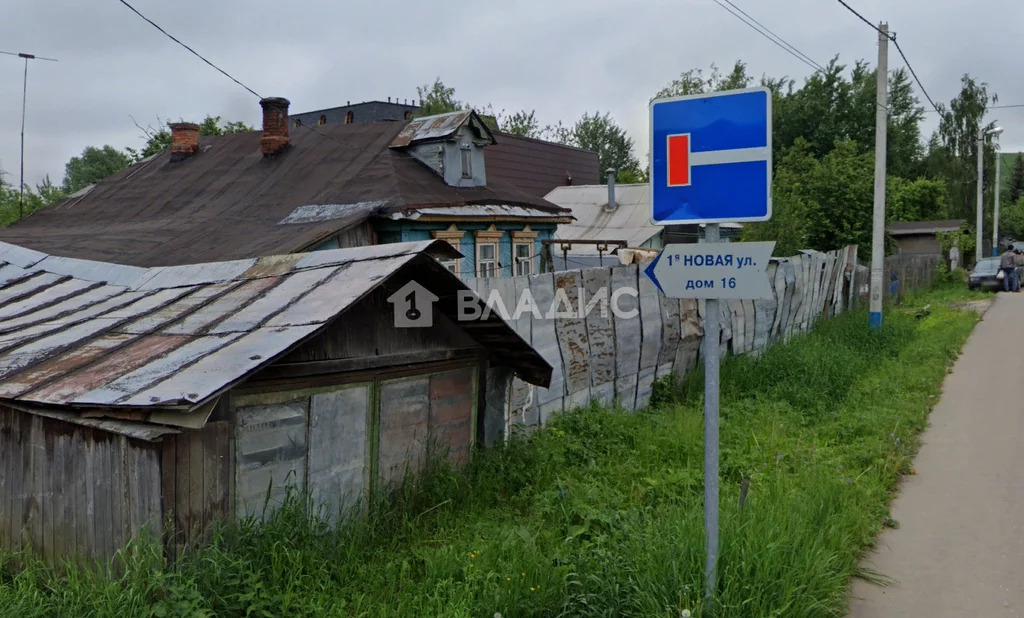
{"points": [[711, 157], [713, 270]]}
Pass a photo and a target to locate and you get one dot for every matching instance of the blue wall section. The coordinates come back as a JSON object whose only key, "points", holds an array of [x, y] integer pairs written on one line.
{"points": [[411, 231]]}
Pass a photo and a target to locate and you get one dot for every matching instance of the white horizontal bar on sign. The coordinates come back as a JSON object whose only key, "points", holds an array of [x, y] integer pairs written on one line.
{"points": [[736, 155]]}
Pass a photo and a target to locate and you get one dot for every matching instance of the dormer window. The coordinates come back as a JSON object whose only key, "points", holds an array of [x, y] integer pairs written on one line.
{"points": [[467, 162]]}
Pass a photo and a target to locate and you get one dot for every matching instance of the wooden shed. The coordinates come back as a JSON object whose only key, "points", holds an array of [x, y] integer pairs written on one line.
{"points": [[131, 397]]}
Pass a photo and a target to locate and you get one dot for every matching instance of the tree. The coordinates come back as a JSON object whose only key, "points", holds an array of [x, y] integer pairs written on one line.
{"points": [[157, 141], [521, 123], [599, 133], [1017, 180], [915, 200], [694, 82], [790, 201], [952, 150], [437, 99], [93, 165]]}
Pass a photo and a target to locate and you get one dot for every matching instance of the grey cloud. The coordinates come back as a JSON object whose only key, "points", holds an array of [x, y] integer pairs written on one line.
{"points": [[561, 58]]}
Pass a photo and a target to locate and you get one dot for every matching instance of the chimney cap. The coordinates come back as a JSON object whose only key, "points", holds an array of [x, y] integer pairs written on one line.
{"points": [[610, 170], [275, 102], [183, 126]]}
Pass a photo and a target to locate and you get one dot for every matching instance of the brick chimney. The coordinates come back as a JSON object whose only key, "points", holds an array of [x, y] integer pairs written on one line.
{"points": [[275, 125], [184, 140]]}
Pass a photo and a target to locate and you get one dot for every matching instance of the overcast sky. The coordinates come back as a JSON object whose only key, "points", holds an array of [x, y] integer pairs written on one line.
{"points": [[560, 57]]}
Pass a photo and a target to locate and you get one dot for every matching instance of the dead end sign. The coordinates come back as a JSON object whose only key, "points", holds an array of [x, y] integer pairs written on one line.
{"points": [[711, 157]]}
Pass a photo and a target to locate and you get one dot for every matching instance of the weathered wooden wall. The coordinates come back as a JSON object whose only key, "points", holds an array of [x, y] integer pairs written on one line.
{"points": [[74, 492], [195, 479], [609, 357], [339, 443]]}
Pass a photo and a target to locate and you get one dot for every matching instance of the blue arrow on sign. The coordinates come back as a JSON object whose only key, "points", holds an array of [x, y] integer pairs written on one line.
{"points": [[711, 157]]}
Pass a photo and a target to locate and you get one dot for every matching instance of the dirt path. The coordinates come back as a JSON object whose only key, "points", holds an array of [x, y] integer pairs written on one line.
{"points": [[959, 548]]}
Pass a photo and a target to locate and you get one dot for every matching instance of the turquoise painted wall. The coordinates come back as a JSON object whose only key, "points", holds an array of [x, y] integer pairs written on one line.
{"points": [[411, 231]]}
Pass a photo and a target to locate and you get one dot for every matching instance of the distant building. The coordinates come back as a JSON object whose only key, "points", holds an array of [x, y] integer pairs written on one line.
{"points": [[288, 190], [366, 112], [921, 237], [604, 225]]}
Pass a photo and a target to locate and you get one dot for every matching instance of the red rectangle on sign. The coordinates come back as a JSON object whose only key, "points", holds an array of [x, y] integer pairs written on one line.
{"points": [[678, 162]]}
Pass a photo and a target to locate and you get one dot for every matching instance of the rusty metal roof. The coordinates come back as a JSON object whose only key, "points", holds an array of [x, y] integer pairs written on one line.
{"points": [[84, 334], [441, 126]]}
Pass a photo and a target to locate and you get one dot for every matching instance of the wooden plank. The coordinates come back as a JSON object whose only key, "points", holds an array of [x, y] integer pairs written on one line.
{"points": [[600, 329], [650, 317], [738, 322], [118, 538], [778, 276], [521, 395], [35, 496], [168, 489], [670, 332], [75, 500], [544, 339], [57, 546], [691, 334], [791, 304], [91, 526], [628, 335], [152, 479], [6, 451], [104, 542], [572, 333], [134, 489], [20, 482], [798, 296], [196, 480], [645, 387], [182, 487], [725, 321], [749, 324]]}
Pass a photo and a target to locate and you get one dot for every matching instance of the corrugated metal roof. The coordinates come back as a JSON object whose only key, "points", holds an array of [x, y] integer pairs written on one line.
{"points": [[437, 127], [82, 335], [630, 221], [481, 210], [902, 228]]}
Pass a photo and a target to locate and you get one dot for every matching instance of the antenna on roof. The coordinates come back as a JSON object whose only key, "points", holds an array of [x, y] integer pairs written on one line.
{"points": [[24, 99]]}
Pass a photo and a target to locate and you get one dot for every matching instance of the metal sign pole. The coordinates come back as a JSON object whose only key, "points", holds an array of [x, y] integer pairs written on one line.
{"points": [[712, 349]]}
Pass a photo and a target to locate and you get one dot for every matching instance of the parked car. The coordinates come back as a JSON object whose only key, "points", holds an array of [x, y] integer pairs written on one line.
{"points": [[985, 275]]}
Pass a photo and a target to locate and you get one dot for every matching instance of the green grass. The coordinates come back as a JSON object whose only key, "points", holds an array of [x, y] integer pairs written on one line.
{"points": [[599, 515]]}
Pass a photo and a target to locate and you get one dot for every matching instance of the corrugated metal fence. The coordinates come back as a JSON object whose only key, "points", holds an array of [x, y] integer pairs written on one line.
{"points": [[615, 355]]}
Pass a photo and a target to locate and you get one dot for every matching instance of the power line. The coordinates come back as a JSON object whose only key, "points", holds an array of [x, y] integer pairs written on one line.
{"points": [[862, 18], [914, 73], [993, 107], [765, 33], [168, 35], [780, 39]]}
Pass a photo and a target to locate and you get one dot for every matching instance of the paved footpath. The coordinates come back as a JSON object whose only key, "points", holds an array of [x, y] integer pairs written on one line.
{"points": [[959, 548]]}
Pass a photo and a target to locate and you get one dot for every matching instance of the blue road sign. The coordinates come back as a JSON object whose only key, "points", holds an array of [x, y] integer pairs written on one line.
{"points": [[711, 157]]}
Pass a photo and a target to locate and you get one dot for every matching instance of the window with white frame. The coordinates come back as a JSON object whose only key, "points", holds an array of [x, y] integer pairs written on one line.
{"points": [[453, 236], [486, 259], [523, 253], [522, 250]]}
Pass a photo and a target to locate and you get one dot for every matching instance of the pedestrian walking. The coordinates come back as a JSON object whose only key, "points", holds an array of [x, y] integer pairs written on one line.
{"points": [[1008, 263]]}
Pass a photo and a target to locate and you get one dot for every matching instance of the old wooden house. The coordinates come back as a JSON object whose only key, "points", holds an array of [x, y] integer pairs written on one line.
{"points": [[290, 189], [133, 396]]}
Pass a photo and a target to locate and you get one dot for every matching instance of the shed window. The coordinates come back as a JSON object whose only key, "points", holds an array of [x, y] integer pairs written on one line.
{"points": [[298, 123], [524, 258], [408, 115], [467, 163], [323, 120], [487, 259], [349, 117]]}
